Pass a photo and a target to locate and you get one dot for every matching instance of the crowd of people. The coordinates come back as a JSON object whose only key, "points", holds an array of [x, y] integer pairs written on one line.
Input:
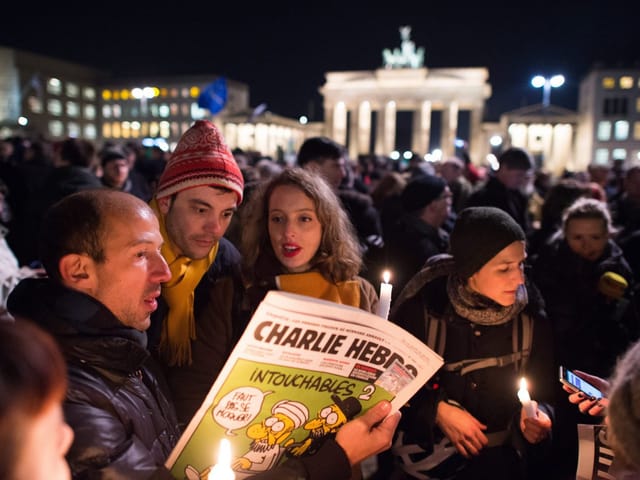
{"points": [[131, 274]]}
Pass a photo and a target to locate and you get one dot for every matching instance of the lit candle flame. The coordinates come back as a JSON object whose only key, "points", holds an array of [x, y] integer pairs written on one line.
{"points": [[224, 455], [525, 399], [386, 276], [523, 383], [222, 470]]}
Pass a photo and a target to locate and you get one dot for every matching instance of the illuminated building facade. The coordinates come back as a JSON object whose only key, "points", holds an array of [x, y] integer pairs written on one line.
{"points": [[609, 107], [42, 95], [547, 132]]}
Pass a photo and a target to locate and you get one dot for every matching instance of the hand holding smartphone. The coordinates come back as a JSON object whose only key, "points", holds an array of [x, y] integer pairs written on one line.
{"points": [[577, 384]]}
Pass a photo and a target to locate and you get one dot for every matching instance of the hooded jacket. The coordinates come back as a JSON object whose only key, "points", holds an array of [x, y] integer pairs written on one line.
{"points": [[124, 423]]}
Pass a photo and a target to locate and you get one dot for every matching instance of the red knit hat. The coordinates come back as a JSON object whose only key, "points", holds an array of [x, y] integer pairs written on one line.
{"points": [[201, 158]]}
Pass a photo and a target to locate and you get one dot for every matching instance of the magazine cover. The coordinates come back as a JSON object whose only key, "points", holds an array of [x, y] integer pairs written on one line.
{"points": [[302, 368]]}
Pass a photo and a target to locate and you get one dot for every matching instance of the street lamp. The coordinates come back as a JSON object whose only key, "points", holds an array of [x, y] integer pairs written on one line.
{"points": [[143, 94], [546, 84]]}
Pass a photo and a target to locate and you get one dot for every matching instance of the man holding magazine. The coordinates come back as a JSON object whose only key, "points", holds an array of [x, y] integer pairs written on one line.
{"points": [[101, 326]]}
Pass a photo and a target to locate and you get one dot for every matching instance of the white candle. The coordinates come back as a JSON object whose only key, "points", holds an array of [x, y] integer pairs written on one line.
{"points": [[385, 296], [222, 470], [525, 399]]}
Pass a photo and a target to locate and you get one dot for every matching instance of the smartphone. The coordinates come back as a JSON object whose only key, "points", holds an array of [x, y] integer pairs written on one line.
{"points": [[577, 384]]}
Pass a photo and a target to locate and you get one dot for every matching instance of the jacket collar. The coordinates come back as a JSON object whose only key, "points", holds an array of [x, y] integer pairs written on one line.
{"points": [[86, 330]]}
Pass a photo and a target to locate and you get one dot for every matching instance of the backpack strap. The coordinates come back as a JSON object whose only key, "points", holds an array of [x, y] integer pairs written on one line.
{"points": [[466, 366], [435, 332], [522, 337], [413, 457], [526, 337]]}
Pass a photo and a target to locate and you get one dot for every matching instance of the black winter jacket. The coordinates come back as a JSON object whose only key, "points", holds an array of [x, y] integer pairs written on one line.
{"points": [[495, 194], [123, 421], [590, 329], [489, 394]]}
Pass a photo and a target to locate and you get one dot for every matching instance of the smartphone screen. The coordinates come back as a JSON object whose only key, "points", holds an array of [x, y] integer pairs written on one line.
{"points": [[581, 384]]}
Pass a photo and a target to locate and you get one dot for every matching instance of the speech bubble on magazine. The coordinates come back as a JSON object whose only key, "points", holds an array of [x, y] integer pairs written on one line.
{"points": [[238, 408]]}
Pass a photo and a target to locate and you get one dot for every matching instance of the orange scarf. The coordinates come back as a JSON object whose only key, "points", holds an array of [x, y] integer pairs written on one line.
{"points": [[313, 284]]}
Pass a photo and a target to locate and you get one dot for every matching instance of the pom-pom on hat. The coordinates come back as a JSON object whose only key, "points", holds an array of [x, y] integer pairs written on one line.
{"points": [[201, 158], [478, 235], [421, 191]]}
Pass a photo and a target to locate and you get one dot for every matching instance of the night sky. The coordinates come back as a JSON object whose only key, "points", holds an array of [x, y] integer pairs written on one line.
{"points": [[283, 55]]}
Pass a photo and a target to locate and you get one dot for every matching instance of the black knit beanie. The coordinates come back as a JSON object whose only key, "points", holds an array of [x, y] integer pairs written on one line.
{"points": [[478, 235], [421, 191]]}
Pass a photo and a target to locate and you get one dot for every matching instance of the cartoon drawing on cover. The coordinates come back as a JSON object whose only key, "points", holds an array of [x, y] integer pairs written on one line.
{"points": [[326, 423], [270, 439]]}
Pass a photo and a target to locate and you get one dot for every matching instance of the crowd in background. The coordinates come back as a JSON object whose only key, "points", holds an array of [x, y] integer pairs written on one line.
{"points": [[581, 231]]}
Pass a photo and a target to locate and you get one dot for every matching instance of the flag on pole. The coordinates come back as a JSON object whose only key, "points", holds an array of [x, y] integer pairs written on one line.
{"points": [[214, 96], [259, 110]]}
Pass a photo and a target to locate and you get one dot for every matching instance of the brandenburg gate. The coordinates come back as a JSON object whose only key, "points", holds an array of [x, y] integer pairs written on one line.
{"points": [[404, 84]]}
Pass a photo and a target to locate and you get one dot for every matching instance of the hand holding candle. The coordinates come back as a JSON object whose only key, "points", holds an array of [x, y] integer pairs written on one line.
{"points": [[385, 296], [222, 470], [525, 399]]}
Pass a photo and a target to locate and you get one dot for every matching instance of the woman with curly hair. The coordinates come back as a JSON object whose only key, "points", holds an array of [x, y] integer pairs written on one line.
{"points": [[298, 238]]}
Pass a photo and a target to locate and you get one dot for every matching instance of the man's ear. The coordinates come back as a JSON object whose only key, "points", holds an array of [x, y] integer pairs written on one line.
{"points": [[76, 271], [164, 204]]}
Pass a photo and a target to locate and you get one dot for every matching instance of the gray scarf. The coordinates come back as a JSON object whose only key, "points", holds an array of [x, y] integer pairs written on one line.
{"points": [[468, 304], [479, 309]]}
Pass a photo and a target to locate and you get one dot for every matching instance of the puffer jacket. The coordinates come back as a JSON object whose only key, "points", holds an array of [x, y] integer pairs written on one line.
{"points": [[124, 423]]}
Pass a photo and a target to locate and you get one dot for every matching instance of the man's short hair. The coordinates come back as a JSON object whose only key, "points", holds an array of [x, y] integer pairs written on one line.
{"points": [[110, 154], [515, 159], [77, 224], [319, 148]]}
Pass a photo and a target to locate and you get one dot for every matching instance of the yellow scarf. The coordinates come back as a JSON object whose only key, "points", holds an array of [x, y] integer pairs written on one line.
{"points": [[313, 284], [179, 328]]}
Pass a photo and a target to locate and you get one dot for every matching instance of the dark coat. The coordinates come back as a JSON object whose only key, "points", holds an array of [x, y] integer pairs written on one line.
{"points": [[365, 219], [409, 245], [495, 194], [219, 324], [117, 403], [59, 182], [489, 394], [63, 181], [136, 185], [589, 331]]}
